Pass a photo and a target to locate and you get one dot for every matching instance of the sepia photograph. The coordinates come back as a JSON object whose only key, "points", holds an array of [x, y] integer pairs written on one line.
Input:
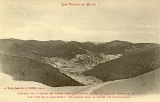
{"points": [[79, 50]]}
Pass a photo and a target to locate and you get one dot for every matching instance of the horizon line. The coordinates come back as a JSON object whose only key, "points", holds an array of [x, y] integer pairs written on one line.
{"points": [[78, 41]]}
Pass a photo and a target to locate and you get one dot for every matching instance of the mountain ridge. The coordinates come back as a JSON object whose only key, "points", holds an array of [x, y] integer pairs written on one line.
{"points": [[74, 59]]}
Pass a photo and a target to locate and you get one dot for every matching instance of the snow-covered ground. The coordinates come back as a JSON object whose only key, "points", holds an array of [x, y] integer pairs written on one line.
{"points": [[17, 95], [76, 66], [19, 91], [148, 83]]}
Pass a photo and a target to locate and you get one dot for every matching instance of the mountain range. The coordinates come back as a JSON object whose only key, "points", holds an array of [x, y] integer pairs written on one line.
{"points": [[59, 63]]}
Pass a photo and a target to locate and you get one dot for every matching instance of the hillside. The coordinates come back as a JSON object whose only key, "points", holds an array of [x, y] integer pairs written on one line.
{"points": [[113, 47], [70, 58], [62, 49], [32, 70], [148, 83], [67, 50], [127, 66], [99, 62]]}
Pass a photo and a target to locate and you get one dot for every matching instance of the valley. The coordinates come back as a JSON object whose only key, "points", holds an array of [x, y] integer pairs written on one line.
{"points": [[76, 66], [60, 63]]}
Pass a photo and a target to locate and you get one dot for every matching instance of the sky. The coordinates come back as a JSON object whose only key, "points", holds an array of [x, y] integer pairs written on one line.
{"points": [[127, 20]]}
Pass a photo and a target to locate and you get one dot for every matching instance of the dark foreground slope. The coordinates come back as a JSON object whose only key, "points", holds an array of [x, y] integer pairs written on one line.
{"points": [[32, 70], [128, 66], [148, 83]]}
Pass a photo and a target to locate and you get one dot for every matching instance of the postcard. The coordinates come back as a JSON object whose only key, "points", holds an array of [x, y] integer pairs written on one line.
{"points": [[79, 50]]}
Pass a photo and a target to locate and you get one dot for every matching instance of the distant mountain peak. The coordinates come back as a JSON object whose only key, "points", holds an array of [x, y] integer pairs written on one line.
{"points": [[118, 42]]}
